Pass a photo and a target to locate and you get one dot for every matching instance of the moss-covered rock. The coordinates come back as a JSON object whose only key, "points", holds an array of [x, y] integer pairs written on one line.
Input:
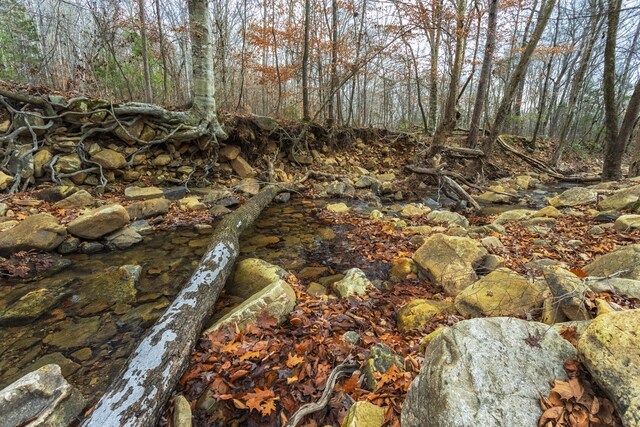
{"points": [[355, 282], [380, 360], [364, 414], [40, 232], [251, 275]]}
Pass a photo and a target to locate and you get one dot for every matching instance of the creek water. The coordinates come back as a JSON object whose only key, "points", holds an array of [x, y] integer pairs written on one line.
{"points": [[90, 315]]}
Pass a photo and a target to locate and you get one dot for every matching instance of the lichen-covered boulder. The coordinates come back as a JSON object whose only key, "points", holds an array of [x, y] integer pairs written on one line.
{"points": [[627, 223], [621, 199], [450, 261], [609, 349], [380, 360], [575, 196], [364, 414], [502, 292], [276, 300], [624, 261], [486, 372], [450, 218]]}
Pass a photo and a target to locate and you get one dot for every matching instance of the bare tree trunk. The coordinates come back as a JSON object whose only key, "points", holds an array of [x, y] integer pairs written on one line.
{"points": [[334, 63], [148, 94], [449, 115], [591, 35], [434, 32], [630, 117], [485, 73], [163, 53], [203, 88], [634, 168], [518, 74], [136, 398], [614, 147], [306, 115]]}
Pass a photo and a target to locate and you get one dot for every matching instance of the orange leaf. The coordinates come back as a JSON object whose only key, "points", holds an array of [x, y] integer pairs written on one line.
{"points": [[294, 360]]}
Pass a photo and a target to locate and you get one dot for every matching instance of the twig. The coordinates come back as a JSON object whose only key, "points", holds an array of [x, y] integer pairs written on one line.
{"points": [[344, 368]]}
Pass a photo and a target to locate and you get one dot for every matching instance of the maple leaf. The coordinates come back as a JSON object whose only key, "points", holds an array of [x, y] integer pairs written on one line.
{"points": [[250, 355], [231, 347], [268, 407], [258, 398], [294, 360]]}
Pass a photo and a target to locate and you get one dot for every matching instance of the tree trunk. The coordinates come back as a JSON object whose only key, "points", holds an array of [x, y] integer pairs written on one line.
{"points": [[614, 147], [435, 32], [518, 74], [591, 35], [485, 73], [306, 115], [136, 398], [449, 116], [148, 94], [630, 117], [334, 63], [163, 54], [203, 87]]}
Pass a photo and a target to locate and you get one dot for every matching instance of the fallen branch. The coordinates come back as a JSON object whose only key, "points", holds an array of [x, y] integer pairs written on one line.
{"points": [[545, 168], [137, 397], [445, 178], [307, 409]]}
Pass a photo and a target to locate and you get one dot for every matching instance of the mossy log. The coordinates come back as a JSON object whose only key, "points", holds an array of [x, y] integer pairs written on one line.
{"points": [[137, 397]]}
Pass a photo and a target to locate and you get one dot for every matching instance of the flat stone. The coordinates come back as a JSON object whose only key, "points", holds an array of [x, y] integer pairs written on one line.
{"points": [[250, 186], [142, 193], [74, 334], [229, 152], [98, 222], [491, 371], [148, 208], [34, 304], [68, 164], [191, 204], [123, 238], [113, 285], [242, 167], [623, 199], [78, 200], [337, 208], [162, 160], [449, 218], [575, 196], [414, 210]]}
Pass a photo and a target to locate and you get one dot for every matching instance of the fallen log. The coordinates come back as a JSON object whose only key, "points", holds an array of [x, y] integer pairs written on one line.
{"points": [[137, 397], [545, 168], [444, 179]]}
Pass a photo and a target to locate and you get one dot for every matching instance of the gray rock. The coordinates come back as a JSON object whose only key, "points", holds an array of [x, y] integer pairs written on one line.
{"points": [[42, 398], [142, 227], [575, 196], [69, 245], [283, 197], [627, 223], [380, 360], [448, 217], [624, 261], [89, 248], [355, 282], [352, 337], [123, 239], [616, 285], [181, 412], [365, 181], [340, 189], [621, 199], [486, 372], [568, 291]]}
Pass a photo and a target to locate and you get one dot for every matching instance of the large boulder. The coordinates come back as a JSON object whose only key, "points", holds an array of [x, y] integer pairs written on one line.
{"points": [[575, 196], [251, 275], [616, 285], [98, 222], [78, 200], [624, 261], [609, 350], [419, 312], [276, 300], [626, 198], [42, 398], [568, 291], [40, 232], [450, 261], [486, 372], [502, 292], [627, 223], [355, 282]]}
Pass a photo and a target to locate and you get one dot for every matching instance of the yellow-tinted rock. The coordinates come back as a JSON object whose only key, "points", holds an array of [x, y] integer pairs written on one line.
{"points": [[418, 312], [430, 337], [364, 414], [401, 268], [547, 212], [500, 293], [252, 275]]}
